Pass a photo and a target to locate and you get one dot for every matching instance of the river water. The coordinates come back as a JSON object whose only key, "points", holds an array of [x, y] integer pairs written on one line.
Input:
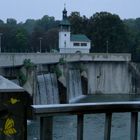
{"points": [[64, 127]]}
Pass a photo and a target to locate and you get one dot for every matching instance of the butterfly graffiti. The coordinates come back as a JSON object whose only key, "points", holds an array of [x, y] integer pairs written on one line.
{"points": [[9, 129]]}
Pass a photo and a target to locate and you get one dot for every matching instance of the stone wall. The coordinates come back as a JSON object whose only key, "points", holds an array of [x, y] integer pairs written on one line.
{"points": [[109, 78]]}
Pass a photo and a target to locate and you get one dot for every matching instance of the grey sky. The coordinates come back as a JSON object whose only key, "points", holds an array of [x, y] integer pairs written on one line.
{"points": [[35, 9]]}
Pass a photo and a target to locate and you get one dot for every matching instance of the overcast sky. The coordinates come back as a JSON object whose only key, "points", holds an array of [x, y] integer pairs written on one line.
{"points": [[35, 9]]}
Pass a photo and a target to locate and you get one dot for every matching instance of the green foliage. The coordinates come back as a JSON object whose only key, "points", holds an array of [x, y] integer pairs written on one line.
{"points": [[105, 30], [21, 40], [133, 28], [62, 61], [75, 19], [29, 25], [55, 69], [108, 33], [22, 78], [11, 21], [51, 40], [46, 22], [24, 37], [28, 64], [1, 22], [78, 24]]}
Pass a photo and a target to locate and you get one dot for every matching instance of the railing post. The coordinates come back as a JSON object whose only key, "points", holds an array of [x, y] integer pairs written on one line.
{"points": [[107, 131], [46, 128], [80, 118], [134, 126]]}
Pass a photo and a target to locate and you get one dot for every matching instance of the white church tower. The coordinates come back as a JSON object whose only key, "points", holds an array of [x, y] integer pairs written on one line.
{"points": [[64, 33], [71, 43]]}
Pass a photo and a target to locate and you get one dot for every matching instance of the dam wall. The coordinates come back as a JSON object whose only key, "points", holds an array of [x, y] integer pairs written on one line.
{"points": [[109, 78], [17, 59], [76, 75]]}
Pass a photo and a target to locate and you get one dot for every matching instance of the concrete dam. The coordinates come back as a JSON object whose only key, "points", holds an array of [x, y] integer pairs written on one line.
{"points": [[71, 78], [65, 80], [68, 77]]}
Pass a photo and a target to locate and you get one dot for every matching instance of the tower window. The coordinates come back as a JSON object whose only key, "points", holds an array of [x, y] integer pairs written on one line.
{"points": [[65, 44], [76, 44], [65, 35], [83, 44]]}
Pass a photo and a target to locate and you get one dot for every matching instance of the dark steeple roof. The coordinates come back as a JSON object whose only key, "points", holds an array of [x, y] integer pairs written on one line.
{"points": [[64, 14], [65, 20]]}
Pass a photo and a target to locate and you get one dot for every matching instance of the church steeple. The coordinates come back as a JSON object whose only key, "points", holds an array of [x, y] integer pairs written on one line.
{"points": [[64, 23], [69, 43], [64, 13], [64, 32]]}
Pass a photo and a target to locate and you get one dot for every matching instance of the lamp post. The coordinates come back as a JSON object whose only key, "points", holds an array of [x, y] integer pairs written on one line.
{"points": [[107, 46], [40, 44], [0, 41]]}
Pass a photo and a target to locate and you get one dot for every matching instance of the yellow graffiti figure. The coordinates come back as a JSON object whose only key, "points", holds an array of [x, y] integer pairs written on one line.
{"points": [[14, 100], [9, 127]]}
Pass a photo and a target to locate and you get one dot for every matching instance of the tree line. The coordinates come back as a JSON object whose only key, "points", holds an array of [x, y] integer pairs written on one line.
{"points": [[107, 32]]}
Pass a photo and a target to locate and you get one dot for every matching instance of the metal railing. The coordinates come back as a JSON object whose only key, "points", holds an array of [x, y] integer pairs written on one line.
{"points": [[46, 112]]}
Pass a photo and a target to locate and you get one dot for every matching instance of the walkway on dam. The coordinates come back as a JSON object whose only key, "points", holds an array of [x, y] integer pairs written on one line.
{"points": [[17, 59]]}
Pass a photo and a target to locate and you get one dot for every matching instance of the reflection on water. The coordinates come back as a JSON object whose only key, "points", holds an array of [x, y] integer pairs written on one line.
{"points": [[33, 130], [65, 126]]}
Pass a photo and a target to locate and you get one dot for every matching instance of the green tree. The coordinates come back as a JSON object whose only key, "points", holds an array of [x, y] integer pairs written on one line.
{"points": [[51, 40], [108, 33], [133, 28], [36, 34], [21, 40], [1, 22], [46, 23], [29, 25], [76, 22], [11, 21], [9, 40]]}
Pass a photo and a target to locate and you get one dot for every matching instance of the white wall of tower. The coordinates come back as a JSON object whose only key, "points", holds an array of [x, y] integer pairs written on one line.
{"points": [[64, 39]]}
